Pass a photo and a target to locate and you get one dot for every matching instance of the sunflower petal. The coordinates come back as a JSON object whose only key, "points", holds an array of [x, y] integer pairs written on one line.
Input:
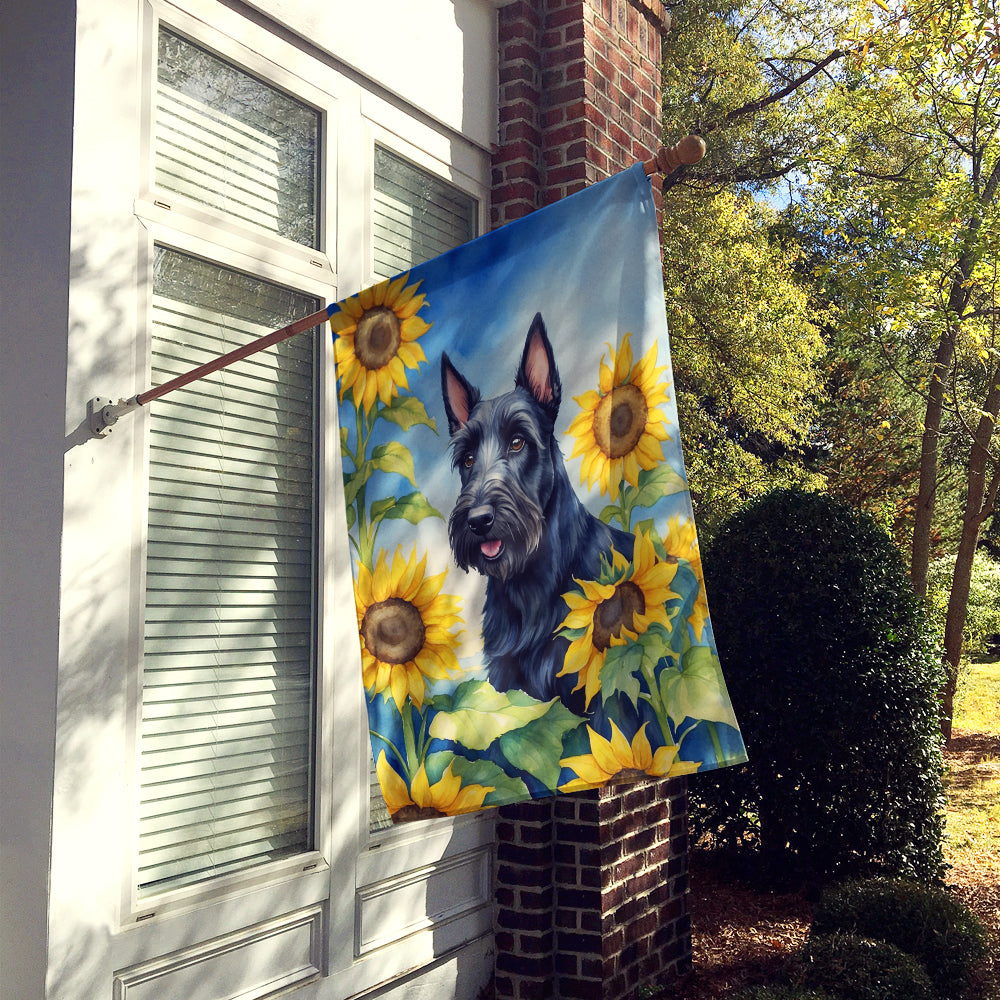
{"points": [[394, 789]]}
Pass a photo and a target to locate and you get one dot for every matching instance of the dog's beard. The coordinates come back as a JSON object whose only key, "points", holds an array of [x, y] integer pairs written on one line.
{"points": [[506, 549]]}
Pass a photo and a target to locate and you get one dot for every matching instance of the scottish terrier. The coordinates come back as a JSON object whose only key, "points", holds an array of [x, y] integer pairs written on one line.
{"points": [[518, 521]]}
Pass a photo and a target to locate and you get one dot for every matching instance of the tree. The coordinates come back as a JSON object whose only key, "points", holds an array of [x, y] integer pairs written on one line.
{"points": [[747, 353], [912, 176], [747, 358]]}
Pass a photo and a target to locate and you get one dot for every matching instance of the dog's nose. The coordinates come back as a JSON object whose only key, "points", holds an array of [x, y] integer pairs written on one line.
{"points": [[481, 519]]}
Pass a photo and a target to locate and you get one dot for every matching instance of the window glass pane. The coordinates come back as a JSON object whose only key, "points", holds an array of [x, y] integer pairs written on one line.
{"points": [[416, 217], [231, 141], [228, 657]]}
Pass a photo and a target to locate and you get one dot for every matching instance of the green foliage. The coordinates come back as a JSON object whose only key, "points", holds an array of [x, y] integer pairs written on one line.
{"points": [[983, 612], [856, 968], [747, 356], [782, 993], [833, 675], [924, 921], [745, 343]]}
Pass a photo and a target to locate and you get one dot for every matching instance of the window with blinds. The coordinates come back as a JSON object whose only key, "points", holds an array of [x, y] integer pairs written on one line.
{"points": [[230, 141], [227, 681], [416, 216], [228, 672]]}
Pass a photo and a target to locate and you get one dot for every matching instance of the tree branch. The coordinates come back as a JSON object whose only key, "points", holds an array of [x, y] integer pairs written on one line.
{"points": [[754, 106]]}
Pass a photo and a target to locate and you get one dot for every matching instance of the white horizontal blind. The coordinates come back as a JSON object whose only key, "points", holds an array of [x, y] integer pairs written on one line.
{"points": [[227, 680], [417, 216], [228, 140]]}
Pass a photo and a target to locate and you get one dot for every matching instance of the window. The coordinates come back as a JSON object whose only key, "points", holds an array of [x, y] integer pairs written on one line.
{"points": [[229, 647], [416, 216], [225, 139]]}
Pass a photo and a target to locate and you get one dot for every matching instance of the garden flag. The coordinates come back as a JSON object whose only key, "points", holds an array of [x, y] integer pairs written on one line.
{"points": [[530, 604]]}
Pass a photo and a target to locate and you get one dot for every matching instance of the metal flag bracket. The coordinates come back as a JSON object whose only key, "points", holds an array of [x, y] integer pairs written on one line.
{"points": [[103, 413]]}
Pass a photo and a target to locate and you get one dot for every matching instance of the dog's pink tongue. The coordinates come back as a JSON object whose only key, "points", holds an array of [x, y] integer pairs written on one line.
{"points": [[491, 548]]}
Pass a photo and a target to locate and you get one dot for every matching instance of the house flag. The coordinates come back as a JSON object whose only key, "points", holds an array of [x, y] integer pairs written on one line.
{"points": [[531, 610]]}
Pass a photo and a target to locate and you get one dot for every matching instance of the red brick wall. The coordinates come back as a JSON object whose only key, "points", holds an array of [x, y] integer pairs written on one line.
{"points": [[579, 96], [591, 889], [591, 893]]}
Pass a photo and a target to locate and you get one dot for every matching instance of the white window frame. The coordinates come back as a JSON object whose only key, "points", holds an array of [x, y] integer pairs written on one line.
{"points": [[350, 871], [180, 224]]}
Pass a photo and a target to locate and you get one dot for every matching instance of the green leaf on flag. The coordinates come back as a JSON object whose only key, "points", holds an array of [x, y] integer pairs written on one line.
{"points": [[619, 672], [698, 691], [506, 788], [413, 507], [407, 412], [354, 482], [654, 484], [396, 458], [380, 509], [538, 747], [478, 714]]}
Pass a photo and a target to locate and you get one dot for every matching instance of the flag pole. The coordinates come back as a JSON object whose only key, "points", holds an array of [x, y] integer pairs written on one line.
{"points": [[687, 152], [103, 413]]}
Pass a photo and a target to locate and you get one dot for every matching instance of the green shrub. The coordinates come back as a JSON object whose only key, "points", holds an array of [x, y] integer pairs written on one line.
{"points": [[925, 922], [856, 968], [833, 673], [782, 993]]}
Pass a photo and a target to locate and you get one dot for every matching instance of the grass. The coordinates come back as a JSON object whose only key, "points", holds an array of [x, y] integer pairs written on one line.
{"points": [[973, 784], [978, 698], [972, 848]]}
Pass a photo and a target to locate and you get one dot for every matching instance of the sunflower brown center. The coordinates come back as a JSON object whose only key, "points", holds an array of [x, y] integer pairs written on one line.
{"points": [[620, 420], [377, 338], [393, 631], [616, 613]]}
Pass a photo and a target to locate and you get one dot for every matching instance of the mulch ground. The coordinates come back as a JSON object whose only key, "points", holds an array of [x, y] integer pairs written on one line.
{"points": [[742, 935]]}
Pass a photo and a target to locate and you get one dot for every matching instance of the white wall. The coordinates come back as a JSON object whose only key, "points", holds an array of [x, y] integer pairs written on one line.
{"points": [[71, 289], [415, 49], [36, 108]]}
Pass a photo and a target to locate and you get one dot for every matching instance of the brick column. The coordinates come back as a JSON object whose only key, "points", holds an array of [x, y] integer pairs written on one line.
{"points": [[579, 96], [591, 889]]}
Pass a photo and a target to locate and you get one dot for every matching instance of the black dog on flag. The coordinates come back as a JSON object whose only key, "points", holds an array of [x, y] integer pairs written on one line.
{"points": [[517, 519]]}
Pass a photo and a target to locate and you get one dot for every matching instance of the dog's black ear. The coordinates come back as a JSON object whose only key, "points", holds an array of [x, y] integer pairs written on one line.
{"points": [[538, 372], [460, 397]]}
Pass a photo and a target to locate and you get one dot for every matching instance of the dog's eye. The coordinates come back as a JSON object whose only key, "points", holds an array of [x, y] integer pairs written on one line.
{"points": [[468, 459], [516, 442]]}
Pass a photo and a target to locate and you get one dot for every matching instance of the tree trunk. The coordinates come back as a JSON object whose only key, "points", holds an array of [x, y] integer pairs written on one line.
{"points": [[920, 553], [958, 299], [979, 500]]}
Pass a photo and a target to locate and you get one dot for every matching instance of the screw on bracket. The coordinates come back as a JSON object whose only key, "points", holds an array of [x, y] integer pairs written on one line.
{"points": [[103, 413]]}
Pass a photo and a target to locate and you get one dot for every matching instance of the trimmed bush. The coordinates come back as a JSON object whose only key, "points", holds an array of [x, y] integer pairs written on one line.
{"points": [[782, 993], [833, 673], [925, 922], [856, 968]]}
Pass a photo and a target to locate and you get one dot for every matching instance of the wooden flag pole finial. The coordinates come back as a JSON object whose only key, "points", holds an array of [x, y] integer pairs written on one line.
{"points": [[668, 158]]}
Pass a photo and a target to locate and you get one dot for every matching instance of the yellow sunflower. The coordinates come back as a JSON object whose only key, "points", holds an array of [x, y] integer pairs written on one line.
{"points": [[682, 541], [629, 597], [406, 626], [375, 334], [620, 430], [610, 757], [422, 800]]}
